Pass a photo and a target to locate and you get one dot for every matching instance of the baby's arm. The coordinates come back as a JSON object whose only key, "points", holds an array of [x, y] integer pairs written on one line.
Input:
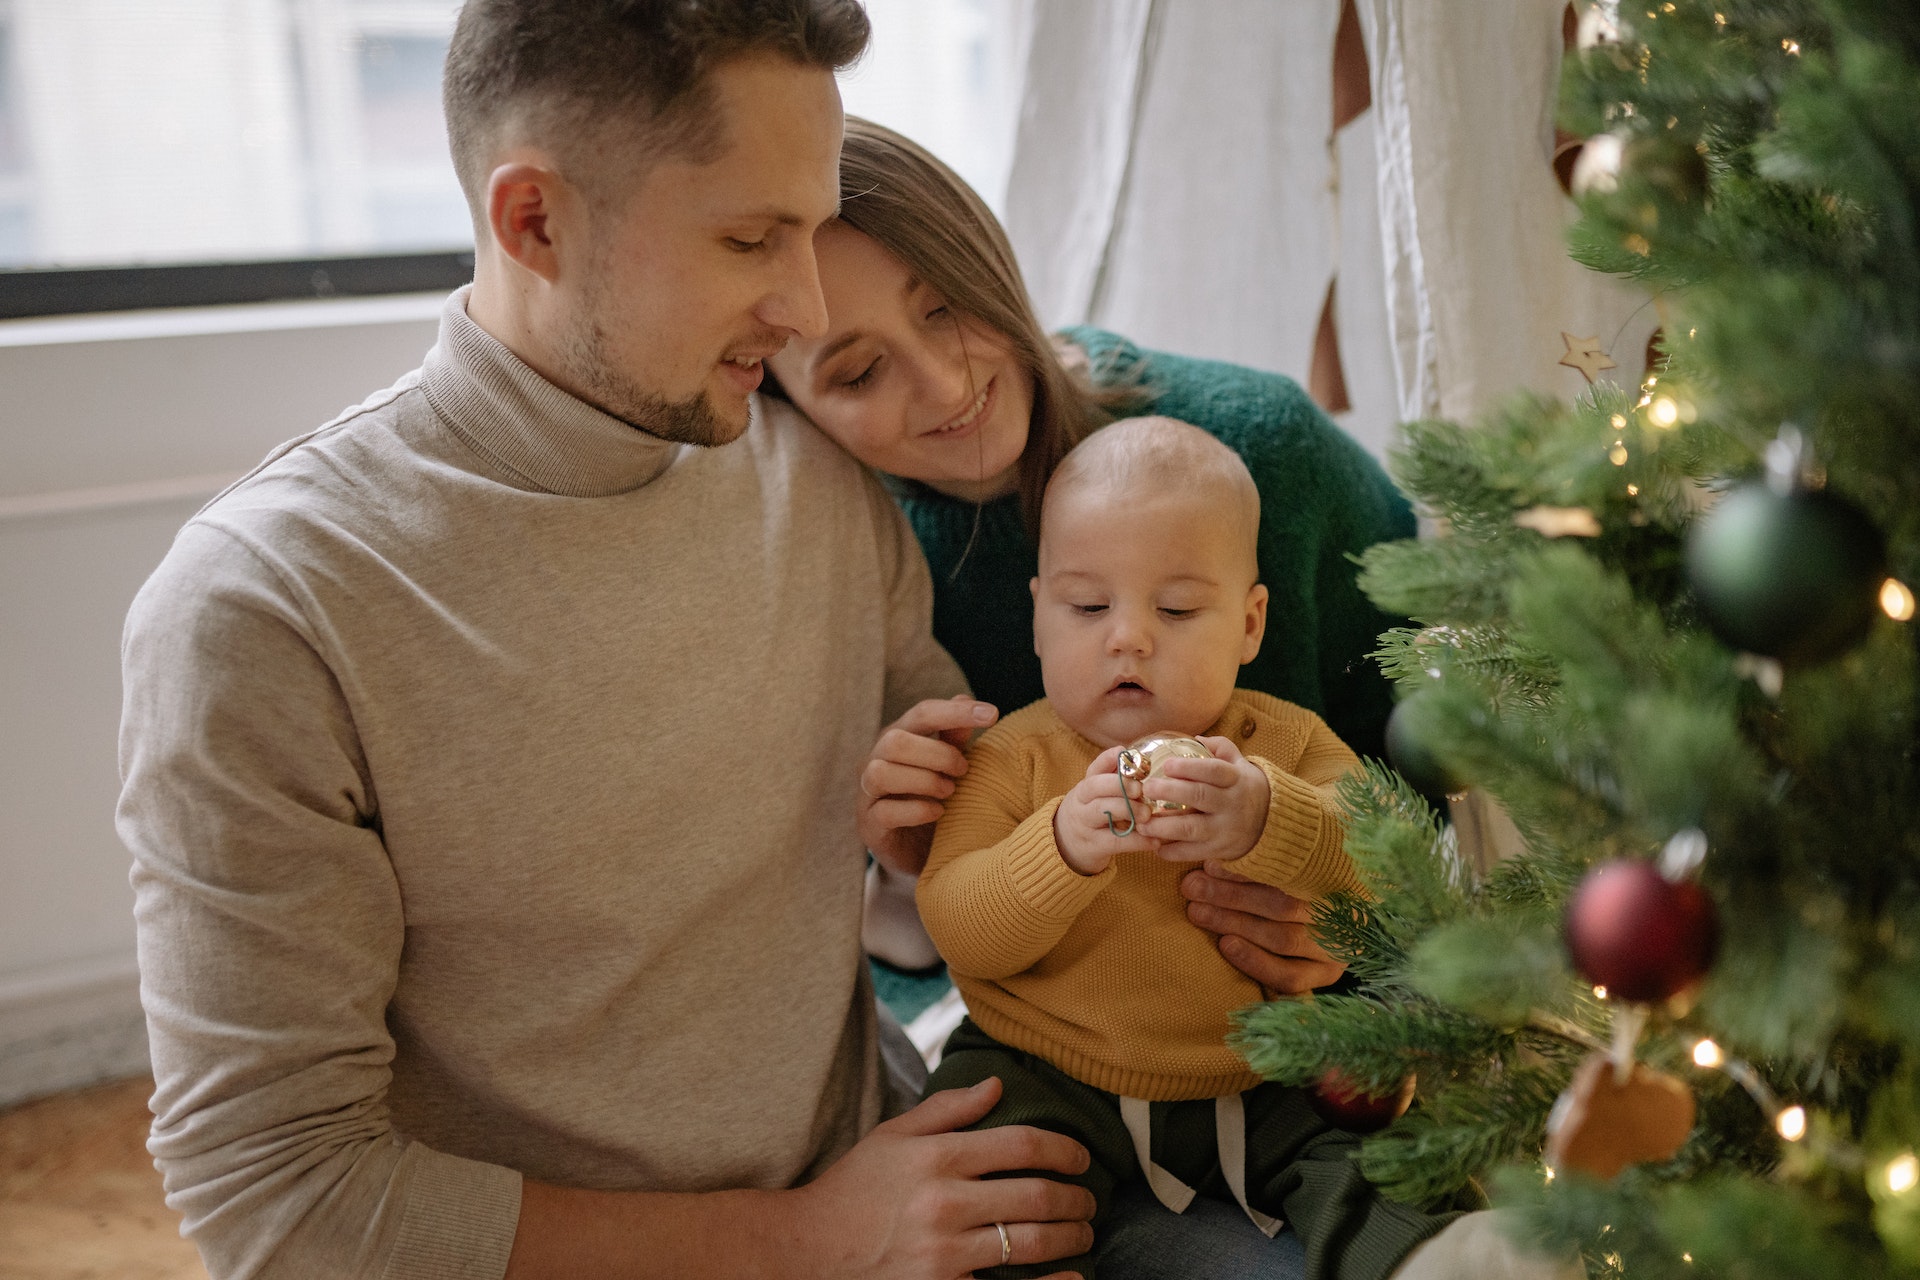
{"points": [[997, 894], [1269, 824]]}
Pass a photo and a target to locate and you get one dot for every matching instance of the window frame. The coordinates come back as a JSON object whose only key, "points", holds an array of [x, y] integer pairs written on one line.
{"points": [[54, 291]]}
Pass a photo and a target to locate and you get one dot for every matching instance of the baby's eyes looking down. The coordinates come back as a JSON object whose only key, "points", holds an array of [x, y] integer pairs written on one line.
{"points": [[1146, 604]]}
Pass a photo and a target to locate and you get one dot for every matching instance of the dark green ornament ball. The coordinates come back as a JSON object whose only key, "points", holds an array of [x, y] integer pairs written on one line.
{"points": [[1791, 576], [1410, 734]]}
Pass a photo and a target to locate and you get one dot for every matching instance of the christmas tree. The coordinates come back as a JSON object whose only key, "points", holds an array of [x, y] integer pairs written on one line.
{"points": [[1665, 628]]}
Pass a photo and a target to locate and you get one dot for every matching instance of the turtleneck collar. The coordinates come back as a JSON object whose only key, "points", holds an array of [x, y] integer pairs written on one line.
{"points": [[542, 438]]}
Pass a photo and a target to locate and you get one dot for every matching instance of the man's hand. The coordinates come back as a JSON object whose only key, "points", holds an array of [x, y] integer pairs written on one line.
{"points": [[909, 1201], [1088, 823], [1227, 799], [1263, 932], [911, 771]]}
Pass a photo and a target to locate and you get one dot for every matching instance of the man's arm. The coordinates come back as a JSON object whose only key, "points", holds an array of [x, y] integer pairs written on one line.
{"points": [[270, 929]]}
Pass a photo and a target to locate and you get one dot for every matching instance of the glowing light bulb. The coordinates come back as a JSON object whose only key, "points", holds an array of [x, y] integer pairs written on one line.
{"points": [[1549, 1173], [1792, 47], [1664, 412], [1896, 600], [1599, 993], [1633, 491], [1707, 1054], [1618, 421], [1903, 1174], [1792, 1123], [1686, 1257], [1618, 454]]}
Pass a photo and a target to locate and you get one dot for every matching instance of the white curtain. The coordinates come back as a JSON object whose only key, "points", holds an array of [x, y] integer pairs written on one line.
{"points": [[1177, 178]]}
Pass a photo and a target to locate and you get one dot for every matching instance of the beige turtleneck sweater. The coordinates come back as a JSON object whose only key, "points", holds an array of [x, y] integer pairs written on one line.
{"points": [[489, 775]]}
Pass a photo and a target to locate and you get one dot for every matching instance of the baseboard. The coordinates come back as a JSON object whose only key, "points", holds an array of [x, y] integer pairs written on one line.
{"points": [[69, 1026]]}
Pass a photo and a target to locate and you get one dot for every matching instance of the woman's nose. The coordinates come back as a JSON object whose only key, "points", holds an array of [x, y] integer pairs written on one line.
{"points": [[945, 380]]}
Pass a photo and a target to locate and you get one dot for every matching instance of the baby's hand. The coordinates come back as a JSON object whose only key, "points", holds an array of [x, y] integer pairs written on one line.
{"points": [[1227, 797], [1087, 840]]}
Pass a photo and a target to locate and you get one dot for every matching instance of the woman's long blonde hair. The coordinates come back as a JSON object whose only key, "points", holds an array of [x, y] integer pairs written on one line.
{"points": [[923, 213]]}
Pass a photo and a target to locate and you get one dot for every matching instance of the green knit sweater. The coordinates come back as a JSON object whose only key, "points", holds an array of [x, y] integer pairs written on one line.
{"points": [[1323, 498]]}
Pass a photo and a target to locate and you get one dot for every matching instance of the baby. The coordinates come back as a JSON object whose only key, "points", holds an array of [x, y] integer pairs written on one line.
{"points": [[1055, 900]]}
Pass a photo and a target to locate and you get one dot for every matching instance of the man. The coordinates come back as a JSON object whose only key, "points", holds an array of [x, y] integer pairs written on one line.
{"points": [[491, 753], [490, 764]]}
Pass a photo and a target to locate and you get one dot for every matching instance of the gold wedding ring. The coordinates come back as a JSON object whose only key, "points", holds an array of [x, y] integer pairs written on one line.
{"points": [[1006, 1245]]}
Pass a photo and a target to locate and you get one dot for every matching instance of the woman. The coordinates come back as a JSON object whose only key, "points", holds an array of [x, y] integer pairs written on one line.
{"points": [[935, 372]]}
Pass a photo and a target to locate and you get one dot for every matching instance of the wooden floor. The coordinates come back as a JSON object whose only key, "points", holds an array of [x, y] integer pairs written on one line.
{"points": [[79, 1198]]}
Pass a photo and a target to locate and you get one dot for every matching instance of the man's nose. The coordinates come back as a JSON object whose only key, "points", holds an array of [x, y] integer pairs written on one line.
{"points": [[797, 303]]}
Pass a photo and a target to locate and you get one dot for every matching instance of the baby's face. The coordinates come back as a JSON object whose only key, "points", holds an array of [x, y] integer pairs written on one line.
{"points": [[1143, 612]]}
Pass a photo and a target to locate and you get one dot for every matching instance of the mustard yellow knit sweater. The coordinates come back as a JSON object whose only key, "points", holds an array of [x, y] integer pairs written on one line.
{"points": [[1104, 976]]}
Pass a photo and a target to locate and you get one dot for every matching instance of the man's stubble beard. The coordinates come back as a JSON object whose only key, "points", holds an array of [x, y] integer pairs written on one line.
{"points": [[596, 371]]}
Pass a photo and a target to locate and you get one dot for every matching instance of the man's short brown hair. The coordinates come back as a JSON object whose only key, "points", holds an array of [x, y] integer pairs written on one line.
{"points": [[607, 85]]}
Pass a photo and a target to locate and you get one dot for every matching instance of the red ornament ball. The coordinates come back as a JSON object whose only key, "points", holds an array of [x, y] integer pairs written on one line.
{"points": [[1344, 1105], [1640, 935]]}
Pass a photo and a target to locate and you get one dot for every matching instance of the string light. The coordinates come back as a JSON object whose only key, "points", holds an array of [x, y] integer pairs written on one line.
{"points": [[1618, 422], [1664, 412], [1903, 1174], [1633, 491], [1686, 1257], [1792, 1123], [1707, 1054], [1599, 993], [1618, 454], [1896, 600], [1792, 47]]}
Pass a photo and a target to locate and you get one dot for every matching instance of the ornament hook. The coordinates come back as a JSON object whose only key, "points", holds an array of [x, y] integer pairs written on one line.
{"points": [[1128, 764]]}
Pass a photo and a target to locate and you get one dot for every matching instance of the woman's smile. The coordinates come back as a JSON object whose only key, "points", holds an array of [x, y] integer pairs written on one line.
{"points": [[970, 417]]}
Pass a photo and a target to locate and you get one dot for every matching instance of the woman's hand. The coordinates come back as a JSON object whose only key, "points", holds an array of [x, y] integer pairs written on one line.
{"points": [[1263, 932], [1090, 826], [911, 771], [1226, 800]]}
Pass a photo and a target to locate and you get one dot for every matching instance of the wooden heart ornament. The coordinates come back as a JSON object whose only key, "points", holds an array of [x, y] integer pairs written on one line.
{"points": [[1601, 1125]]}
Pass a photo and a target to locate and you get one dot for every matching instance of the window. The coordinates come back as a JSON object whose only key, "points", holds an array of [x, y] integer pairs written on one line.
{"points": [[167, 152], [15, 212]]}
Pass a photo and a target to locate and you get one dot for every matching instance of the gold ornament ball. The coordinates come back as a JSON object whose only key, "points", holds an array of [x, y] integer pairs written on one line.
{"points": [[1144, 758]]}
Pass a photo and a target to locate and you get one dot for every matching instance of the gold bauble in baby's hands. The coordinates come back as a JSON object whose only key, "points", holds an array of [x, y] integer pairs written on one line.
{"points": [[1143, 758]]}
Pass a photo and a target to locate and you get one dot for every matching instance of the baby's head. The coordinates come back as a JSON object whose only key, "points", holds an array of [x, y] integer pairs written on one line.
{"points": [[1147, 601]]}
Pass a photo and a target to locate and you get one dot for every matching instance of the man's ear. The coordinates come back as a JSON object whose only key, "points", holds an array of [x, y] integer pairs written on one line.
{"points": [[526, 207], [1256, 623]]}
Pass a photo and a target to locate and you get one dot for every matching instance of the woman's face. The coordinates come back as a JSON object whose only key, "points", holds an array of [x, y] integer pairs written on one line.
{"points": [[901, 381]]}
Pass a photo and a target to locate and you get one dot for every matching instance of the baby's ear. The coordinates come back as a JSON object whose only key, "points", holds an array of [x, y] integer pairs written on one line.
{"points": [[1256, 623]]}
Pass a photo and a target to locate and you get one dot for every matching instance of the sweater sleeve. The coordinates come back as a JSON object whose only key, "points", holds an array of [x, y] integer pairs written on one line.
{"points": [[270, 930], [996, 896], [1303, 848]]}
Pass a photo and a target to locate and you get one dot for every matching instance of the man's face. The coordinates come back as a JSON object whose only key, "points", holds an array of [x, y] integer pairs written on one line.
{"points": [[704, 270]]}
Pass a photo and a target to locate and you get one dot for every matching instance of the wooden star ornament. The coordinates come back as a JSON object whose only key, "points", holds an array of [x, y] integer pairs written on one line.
{"points": [[1586, 355]]}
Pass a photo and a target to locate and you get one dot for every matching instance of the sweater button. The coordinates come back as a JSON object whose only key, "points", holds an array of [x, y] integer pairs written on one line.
{"points": [[1247, 727]]}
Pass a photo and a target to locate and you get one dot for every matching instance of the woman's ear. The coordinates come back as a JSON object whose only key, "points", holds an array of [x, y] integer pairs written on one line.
{"points": [[525, 203], [1256, 623]]}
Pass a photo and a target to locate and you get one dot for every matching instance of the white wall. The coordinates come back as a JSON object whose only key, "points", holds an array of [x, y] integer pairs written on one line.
{"points": [[113, 430]]}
